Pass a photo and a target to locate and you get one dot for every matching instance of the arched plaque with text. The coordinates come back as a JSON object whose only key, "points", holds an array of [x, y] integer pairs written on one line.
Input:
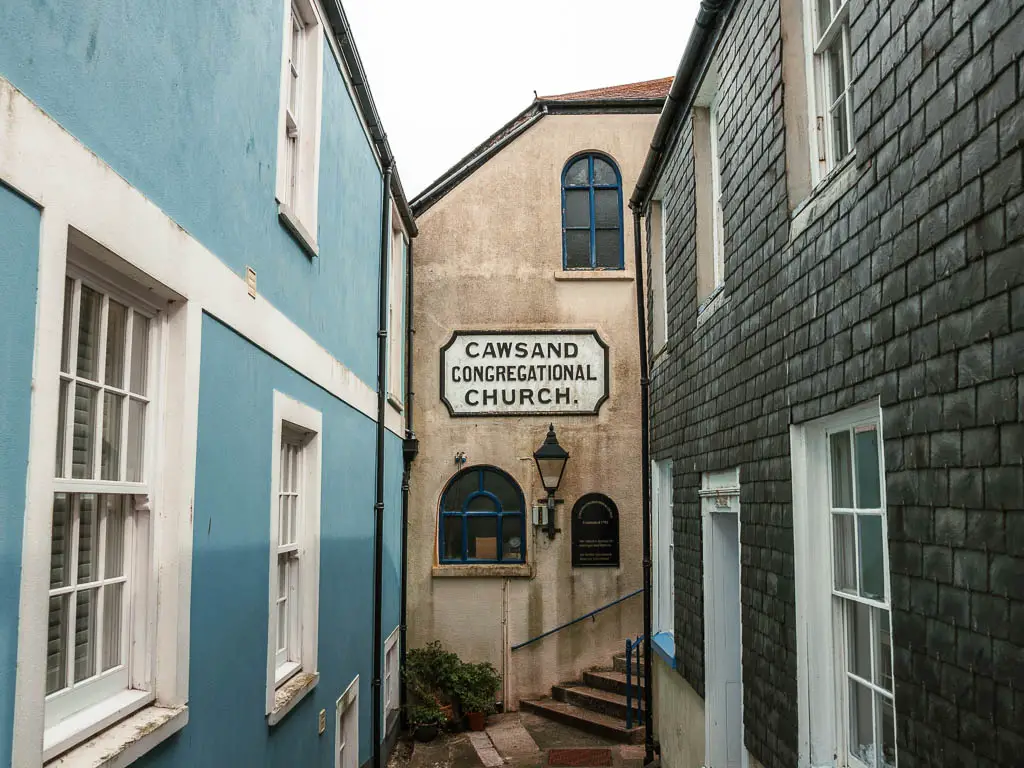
{"points": [[595, 532]]}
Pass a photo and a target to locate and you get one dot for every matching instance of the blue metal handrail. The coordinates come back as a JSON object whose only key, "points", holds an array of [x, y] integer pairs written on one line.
{"points": [[576, 621], [631, 646]]}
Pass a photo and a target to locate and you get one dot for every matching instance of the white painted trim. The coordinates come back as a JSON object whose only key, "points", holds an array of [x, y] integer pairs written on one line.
{"points": [[349, 700], [289, 695], [393, 691], [127, 741], [37, 157], [300, 415]]}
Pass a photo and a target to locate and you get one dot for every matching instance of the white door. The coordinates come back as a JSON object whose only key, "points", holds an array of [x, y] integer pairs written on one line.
{"points": [[723, 675]]}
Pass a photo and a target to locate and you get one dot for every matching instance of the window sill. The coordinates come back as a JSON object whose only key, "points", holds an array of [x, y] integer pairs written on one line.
{"points": [[395, 403], [519, 570], [824, 195], [287, 697], [710, 305], [593, 274], [127, 741], [664, 645], [291, 222]]}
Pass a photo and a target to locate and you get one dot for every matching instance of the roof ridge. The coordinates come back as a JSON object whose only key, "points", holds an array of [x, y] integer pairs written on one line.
{"points": [[642, 89]]}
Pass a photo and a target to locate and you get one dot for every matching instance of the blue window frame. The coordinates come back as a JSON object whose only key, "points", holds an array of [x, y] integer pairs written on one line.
{"points": [[591, 213], [483, 518]]}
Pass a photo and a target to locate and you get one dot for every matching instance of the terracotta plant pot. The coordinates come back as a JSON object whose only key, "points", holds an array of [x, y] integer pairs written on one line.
{"points": [[477, 720], [425, 733]]}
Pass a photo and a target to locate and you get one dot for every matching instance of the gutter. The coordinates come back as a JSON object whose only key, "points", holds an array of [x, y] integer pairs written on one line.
{"points": [[354, 64], [678, 98], [378, 506], [410, 447]]}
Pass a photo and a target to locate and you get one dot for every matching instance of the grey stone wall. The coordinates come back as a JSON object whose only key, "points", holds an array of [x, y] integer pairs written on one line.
{"points": [[908, 288]]}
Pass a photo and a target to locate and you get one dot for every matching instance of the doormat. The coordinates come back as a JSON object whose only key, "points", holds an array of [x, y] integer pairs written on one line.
{"points": [[580, 758]]}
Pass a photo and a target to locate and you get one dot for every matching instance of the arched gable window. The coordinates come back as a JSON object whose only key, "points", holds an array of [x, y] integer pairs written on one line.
{"points": [[483, 518], [591, 213]]}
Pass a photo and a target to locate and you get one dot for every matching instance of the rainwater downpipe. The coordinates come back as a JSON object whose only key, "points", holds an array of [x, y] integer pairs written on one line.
{"points": [[378, 505], [645, 465], [410, 447]]}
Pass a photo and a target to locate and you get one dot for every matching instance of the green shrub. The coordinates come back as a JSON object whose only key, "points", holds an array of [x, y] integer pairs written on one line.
{"points": [[476, 685], [426, 715]]}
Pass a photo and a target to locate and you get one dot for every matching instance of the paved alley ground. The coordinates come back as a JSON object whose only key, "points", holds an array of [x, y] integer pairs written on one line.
{"points": [[520, 739]]}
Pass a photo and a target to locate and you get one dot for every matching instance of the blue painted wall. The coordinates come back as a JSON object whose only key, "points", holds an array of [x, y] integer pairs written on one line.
{"points": [[227, 677], [180, 97], [19, 263]]}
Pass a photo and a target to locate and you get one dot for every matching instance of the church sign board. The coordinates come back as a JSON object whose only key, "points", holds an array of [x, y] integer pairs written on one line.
{"points": [[524, 373], [595, 532]]}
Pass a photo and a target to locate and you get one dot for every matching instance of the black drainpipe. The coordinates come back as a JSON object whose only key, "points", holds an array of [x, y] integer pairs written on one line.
{"points": [[378, 505], [410, 447], [645, 459]]}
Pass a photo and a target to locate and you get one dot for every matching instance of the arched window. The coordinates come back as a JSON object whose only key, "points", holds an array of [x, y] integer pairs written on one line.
{"points": [[483, 518], [591, 213]]}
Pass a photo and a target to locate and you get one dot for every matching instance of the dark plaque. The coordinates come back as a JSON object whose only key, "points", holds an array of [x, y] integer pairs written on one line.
{"points": [[595, 532]]}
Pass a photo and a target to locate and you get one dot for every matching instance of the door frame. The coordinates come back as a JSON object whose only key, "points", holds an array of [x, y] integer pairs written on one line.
{"points": [[719, 496]]}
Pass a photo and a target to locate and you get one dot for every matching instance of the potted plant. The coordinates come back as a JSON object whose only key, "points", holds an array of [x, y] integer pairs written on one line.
{"points": [[426, 720], [430, 672], [475, 686]]}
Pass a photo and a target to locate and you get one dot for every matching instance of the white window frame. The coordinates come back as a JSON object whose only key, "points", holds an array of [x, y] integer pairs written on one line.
{"points": [[346, 727], [292, 416], [663, 547], [299, 124], [659, 279], [821, 101], [396, 310], [717, 214], [823, 701], [391, 675]]}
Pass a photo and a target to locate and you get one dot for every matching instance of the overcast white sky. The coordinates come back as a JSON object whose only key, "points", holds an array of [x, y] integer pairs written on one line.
{"points": [[446, 74]]}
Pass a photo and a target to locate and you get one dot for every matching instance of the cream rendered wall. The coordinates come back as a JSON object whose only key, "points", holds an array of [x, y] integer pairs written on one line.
{"points": [[489, 256], [678, 718]]}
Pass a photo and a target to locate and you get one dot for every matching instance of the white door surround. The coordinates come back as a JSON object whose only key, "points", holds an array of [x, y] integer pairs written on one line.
{"points": [[723, 677]]}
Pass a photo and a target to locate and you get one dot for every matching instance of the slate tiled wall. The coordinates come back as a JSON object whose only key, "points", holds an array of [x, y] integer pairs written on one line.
{"points": [[908, 288]]}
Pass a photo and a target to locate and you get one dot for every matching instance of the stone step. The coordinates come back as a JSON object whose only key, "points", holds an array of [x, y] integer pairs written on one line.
{"points": [[612, 681], [620, 664], [586, 720], [611, 704]]}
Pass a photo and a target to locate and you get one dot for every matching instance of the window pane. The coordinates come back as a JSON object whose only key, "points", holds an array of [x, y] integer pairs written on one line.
{"points": [[872, 575], [609, 252], [282, 625], [112, 614], [869, 491], [844, 553], [883, 650], [606, 208], [88, 538], [117, 325], [577, 249], [451, 548], [136, 441], [888, 731], [604, 173], [503, 488], [85, 634], [140, 353], [482, 504], [65, 341], [858, 650], [842, 470], [483, 537], [60, 539], [62, 411], [512, 538], [56, 644], [113, 558], [824, 16], [578, 174], [577, 208], [837, 75], [455, 498], [89, 334], [110, 451], [84, 432], [862, 738], [840, 136]]}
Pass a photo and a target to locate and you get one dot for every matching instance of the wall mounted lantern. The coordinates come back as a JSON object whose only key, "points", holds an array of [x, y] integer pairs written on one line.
{"points": [[551, 459]]}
